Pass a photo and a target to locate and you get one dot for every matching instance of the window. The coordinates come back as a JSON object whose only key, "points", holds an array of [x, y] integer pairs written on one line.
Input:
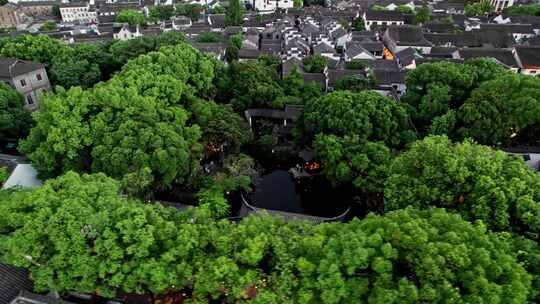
{"points": [[29, 99], [23, 82], [38, 77], [533, 71]]}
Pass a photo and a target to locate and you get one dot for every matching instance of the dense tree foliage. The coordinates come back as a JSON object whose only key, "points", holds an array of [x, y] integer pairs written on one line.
{"points": [[479, 8], [367, 114], [434, 89], [349, 160], [220, 125], [249, 85], [235, 13], [354, 136], [422, 15], [354, 83], [48, 26], [162, 12], [478, 183], [134, 126], [131, 17], [79, 66], [315, 63], [40, 48], [358, 24], [474, 180], [116, 244], [502, 111], [83, 64], [355, 64], [193, 11], [208, 37], [15, 121], [520, 10]]}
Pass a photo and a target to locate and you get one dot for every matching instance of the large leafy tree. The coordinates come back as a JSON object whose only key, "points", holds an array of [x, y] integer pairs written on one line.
{"points": [[113, 244], [502, 111], [477, 182], [15, 121], [474, 180], [162, 12], [315, 63], [131, 17], [434, 89], [249, 85], [235, 13], [349, 160], [77, 67], [479, 8], [366, 114], [220, 125], [193, 11], [40, 48], [133, 126], [518, 10], [354, 137], [422, 15], [358, 24]]}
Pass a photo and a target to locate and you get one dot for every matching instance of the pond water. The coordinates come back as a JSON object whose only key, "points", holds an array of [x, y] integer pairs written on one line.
{"points": [[314, 196]]}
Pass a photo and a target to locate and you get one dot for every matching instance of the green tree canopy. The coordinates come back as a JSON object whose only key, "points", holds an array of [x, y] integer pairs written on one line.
{"points": [[348, 160], [315, 63], [134, 123], [116, 244], [367, 114], [208, 37], [422, 15], [80, 65], [503, 111], [220, 125], [235, 13], [193, 11], [474, 180], [15, 121], [250, 85], [40, 48], [405, 9], [354, 83], [132, 17], [434, 89], [48, 26], [479, 8], [520, 10], [358, 24], [162, 12]]}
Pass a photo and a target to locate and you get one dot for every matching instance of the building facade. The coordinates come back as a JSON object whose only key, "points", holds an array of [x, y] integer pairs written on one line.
{"points": [[78, 13], [500, 5], [9, 16], [28, 78], [269, 6]]}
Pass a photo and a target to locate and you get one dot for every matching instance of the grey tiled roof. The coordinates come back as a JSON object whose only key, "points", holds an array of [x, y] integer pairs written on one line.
{"points": [[26, 297], [529, 56], [504, 56], [407, 35], [12, 67], [389, 77], [384, 16], [467, 39], [12, 281]]}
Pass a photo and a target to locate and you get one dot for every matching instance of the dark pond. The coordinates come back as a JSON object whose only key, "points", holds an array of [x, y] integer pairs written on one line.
{"points": [[314, 196]]}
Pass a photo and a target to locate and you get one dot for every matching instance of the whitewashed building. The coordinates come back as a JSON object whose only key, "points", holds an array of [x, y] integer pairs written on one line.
{"points": [[78, 12]]}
